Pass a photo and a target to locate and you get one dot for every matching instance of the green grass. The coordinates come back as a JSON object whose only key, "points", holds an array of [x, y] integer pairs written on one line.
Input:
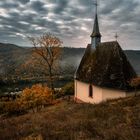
{"points": [[111, 120]]}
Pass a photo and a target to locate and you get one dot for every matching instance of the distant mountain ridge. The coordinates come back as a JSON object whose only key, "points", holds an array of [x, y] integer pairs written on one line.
{"points": [[10, 53]]}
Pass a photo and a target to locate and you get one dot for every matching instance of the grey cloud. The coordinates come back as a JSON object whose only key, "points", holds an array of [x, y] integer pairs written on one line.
{"points": [[7, 5], [24, 1], [71, 20], [61, 6], [111, 5], [38, 6]]}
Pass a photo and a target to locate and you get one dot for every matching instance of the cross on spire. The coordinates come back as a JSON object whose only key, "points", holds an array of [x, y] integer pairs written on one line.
{"points": [[96, 4], [116, 36]]}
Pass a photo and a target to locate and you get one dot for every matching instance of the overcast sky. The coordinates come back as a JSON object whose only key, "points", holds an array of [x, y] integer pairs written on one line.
{"points": [[71, 20]]}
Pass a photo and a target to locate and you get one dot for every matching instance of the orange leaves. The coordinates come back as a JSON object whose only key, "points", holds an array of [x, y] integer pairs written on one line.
{"points": [[48, 51], [135, 82], [33, 98], [49, 40], [48, 47], [36, 95]]}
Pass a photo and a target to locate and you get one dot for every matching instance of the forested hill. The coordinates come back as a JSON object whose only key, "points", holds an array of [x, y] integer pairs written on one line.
{"points": [[13, 55]]}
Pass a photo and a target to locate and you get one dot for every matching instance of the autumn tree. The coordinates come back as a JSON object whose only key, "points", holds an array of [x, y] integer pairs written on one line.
{"points": [[135, 83], [47, 50]]}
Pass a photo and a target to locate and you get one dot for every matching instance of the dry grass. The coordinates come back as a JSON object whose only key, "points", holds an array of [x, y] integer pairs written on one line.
{"points": [[111, 120]]}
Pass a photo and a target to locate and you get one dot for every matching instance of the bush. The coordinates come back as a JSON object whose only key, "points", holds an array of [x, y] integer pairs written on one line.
{"points": [[14, 108], [68, 89], [36, 96], [31, 98]]}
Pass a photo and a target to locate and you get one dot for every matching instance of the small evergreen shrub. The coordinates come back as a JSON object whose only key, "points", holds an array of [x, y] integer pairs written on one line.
{"points": [[68, 89]]}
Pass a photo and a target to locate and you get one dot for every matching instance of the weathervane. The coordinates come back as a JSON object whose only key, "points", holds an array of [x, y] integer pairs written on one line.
{"points": [[116, 36]]}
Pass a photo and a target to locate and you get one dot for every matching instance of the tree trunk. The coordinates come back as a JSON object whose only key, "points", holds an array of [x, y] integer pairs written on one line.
{"points": [[51, 81]]}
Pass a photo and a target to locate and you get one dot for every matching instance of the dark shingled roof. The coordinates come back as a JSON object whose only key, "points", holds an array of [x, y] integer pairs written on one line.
{"points": [[106, 66]]}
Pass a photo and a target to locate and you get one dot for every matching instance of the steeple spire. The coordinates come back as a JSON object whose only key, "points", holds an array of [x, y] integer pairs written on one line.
{"points": [[95, 36]]}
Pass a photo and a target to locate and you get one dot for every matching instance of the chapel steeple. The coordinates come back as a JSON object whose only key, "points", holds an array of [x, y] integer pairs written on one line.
{"points": [[95, 36]]}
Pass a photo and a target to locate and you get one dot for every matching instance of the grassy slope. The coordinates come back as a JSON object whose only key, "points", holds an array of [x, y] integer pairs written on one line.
{"points": [[112, 120]]}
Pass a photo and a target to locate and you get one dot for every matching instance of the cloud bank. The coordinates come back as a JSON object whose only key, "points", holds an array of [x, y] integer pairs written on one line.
{"points": [[71, 20]]}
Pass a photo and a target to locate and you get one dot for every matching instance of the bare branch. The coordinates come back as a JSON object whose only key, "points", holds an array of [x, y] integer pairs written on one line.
{"points": [[48, 48]]}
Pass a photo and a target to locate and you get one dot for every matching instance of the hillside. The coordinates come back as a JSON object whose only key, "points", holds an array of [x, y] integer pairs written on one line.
{"points": [[112, 120], [134, 58], [13, 56]]}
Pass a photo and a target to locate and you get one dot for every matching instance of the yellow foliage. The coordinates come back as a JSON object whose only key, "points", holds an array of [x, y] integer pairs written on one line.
{"points": [[36, 95], [135, 82], [31, 98]]}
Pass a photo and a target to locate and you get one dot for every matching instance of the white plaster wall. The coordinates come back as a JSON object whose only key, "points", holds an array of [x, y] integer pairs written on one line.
{"points": [[99, 94], [112, 94], [82, 92]]}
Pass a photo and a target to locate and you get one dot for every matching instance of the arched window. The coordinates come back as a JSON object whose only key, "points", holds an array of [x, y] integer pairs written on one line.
{"points": [[90, 91]]}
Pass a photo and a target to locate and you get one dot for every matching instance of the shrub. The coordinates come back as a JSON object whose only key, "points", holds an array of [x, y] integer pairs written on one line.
{"points": [[31, 98], [68, 89], [36, 96], [14, 108], [135, 83]]}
